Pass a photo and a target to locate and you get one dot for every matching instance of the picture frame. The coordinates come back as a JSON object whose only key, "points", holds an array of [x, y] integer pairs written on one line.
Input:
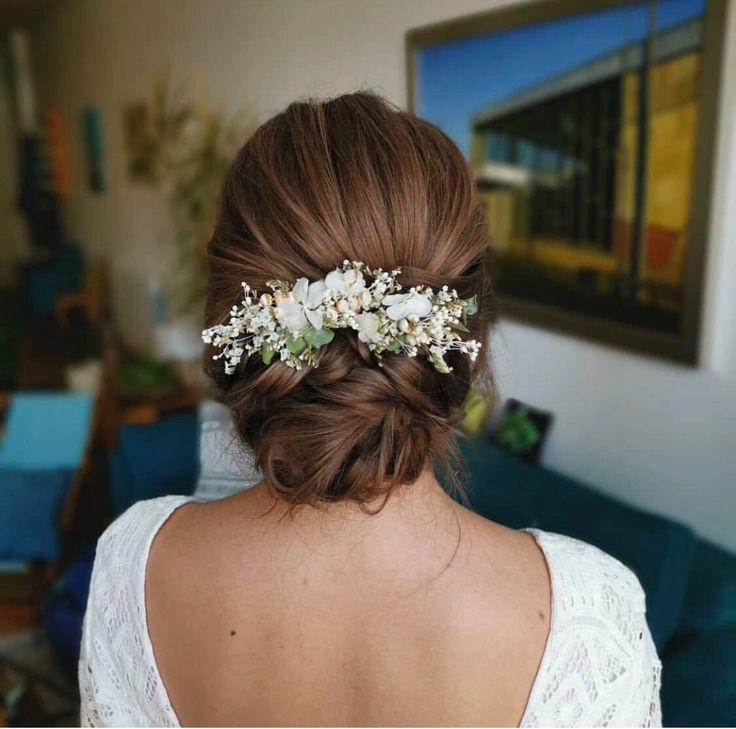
{"points": [[601, 300]]}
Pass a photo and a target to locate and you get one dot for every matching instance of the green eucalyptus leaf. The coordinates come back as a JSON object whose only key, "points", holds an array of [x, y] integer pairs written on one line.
{"points": [[267, 353], [471, 305], [317, 338], [295, 345]]}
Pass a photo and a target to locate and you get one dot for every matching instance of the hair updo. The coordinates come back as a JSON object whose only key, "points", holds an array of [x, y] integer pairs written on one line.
{"points": [[349, 178]]}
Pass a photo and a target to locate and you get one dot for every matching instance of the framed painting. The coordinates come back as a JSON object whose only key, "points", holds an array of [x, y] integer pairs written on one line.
{"points": [[589, 126]]}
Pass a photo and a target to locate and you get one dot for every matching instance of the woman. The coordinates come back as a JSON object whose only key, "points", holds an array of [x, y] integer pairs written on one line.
{"points": [[347, 303]]}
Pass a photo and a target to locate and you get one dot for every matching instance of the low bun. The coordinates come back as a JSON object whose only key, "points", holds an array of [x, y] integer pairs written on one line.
{"points": [[325, 181]]}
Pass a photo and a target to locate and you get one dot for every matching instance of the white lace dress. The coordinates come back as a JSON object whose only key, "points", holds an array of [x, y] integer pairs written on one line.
{"points": [[599, 668]]}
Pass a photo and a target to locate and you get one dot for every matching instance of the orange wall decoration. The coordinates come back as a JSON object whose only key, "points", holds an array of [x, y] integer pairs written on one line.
{"points": [[53, 125]]}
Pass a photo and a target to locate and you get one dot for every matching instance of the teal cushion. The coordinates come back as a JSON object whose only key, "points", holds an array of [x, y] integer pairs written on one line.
{"points": [[30, 508], [46, 430], [710, 602], [699, 679]]}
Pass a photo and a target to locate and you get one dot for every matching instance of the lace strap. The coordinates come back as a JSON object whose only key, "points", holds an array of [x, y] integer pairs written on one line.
{"points": [[118, 679], [600, 666]]}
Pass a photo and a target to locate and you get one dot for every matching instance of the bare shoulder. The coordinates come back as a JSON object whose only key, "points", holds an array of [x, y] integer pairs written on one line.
{"points": [[558, 557], [517, 549], [194, 537], [507, 572]]}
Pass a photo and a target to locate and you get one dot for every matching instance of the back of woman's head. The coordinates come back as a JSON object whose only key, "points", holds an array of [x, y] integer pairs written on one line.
{"points": [[350, 178]]}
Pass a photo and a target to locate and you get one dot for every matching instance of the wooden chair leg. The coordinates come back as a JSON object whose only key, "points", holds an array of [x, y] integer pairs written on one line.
{"points": [[72, 499], [42, 575]]}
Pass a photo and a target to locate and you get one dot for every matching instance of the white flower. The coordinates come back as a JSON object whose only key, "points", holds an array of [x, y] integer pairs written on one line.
{"points": [[364, 300], [303, 308], [348, 284], [367, 327], [400, 306]]}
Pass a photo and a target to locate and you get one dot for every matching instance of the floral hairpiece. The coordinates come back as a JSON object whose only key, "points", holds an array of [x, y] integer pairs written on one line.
{"points": [[295, 321]]}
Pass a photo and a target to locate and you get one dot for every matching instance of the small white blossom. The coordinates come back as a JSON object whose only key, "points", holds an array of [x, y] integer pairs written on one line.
{"points": [[367, 326], [401, 306], [345, 284], [303, 308]]}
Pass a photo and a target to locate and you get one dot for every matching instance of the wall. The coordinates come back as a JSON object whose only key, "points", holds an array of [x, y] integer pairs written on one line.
{"points": [[654, 434]]}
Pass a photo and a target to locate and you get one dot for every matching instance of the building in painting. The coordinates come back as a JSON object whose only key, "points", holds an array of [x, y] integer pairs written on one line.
{"points": [[586, 177]]}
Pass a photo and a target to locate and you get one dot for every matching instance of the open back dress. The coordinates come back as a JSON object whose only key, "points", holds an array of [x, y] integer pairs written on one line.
{"points": [[599, 667]]}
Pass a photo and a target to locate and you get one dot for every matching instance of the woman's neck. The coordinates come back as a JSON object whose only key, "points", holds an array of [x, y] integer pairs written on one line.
{"points": [[419, 517]]}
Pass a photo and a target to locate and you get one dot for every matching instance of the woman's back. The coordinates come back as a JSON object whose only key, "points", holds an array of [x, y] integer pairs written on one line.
{"points": [[347, 619], [413, 617]]}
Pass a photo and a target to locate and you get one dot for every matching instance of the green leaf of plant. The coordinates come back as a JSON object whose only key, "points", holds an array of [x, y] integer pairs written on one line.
{"points": [[295, 345], [471, 305], [267, 353], [317, 338], [460, 327]]}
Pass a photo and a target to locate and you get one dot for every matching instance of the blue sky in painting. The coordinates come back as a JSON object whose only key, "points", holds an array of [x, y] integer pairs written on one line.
{"points": [[458, 78]]}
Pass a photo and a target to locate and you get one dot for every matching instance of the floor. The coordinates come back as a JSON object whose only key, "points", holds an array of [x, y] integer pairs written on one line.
{"points": [[34, 690]]}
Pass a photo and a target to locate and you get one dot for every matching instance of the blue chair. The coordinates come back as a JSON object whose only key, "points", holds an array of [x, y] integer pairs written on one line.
{"points": [[42, 458], [154, 459]]}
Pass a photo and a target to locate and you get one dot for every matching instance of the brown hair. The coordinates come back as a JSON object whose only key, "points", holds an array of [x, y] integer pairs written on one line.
{"points": [[349, 178]]}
